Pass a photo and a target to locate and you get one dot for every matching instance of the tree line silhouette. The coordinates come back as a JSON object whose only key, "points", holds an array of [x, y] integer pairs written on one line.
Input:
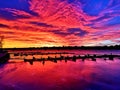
{"points": [[115, 47]]}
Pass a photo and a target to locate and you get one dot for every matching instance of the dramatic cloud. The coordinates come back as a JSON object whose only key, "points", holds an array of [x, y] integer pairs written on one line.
{"points": [[41, 24], [3, 26], [29, 23]]}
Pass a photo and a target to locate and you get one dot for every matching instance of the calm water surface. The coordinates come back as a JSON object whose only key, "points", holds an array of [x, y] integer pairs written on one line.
{"points": [[88, 75]]}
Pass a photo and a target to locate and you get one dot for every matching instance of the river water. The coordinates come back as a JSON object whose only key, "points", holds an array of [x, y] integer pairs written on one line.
{"points": [[79, 75]]}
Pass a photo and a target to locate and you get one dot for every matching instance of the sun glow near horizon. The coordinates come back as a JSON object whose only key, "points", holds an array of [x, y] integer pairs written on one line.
{"points": [[18, 44]]}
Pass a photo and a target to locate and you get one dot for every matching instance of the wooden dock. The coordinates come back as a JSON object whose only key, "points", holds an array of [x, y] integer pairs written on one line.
{"points": [[36, 53], [72, 58]]}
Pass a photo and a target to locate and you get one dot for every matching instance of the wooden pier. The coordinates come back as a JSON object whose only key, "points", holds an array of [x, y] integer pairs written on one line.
{"points": [[73, 58], [30, 56], [36, 53]]}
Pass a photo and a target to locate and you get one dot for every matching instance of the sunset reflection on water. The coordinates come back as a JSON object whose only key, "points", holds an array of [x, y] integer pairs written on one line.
{"points": [[87, 75]]}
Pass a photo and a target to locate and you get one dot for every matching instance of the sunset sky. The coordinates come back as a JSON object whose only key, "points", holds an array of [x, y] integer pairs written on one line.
{"points": [[39, 23]]}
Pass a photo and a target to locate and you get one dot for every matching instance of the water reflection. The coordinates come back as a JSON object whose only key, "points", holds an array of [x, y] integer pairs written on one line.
{"points": [[79, 75]]}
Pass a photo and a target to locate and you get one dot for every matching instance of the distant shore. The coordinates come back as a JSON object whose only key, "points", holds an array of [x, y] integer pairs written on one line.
{"points": [[116, 47]]}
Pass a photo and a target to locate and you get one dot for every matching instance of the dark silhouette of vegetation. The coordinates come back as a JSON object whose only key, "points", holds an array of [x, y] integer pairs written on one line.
{"points": [[115, 47], [4, 56]]}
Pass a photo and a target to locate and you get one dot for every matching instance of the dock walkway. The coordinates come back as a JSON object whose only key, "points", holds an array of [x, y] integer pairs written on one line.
{"points": [[73, 58]]}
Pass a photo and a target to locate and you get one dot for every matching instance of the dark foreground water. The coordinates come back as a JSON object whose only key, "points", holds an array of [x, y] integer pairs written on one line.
{"points": [[88, 75]]}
